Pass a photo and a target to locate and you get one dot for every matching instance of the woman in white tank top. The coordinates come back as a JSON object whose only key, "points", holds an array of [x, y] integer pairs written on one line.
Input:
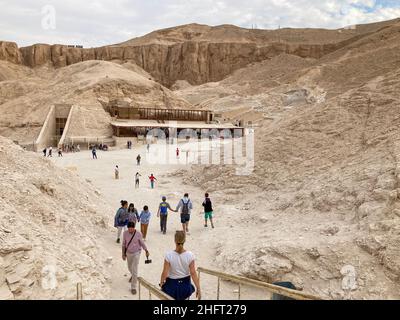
{"points": [[179, 269]]}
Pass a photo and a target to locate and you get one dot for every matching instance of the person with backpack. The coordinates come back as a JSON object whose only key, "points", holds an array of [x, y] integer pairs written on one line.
{"points": [[121, 219], [144, 220], [132, 246], [185, 204], [133, 214], [208, 211], [163, 214], [179, 269]]}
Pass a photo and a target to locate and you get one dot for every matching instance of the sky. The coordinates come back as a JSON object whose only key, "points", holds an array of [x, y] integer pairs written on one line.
{"points": [[103, 22]]}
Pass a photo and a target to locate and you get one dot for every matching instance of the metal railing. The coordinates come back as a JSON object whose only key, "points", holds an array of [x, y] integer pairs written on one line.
{"points": [[79, 292], [152, 290], [294, 294]]}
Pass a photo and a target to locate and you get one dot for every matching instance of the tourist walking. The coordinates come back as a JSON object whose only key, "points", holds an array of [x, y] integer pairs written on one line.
{"points": [[132, 246], [185, 205], [50, 152], [133, 215], [137, 175], [44, 152], [177, 153], [116, 172], [138, 158], [144, 219], [60, 152], [208, 211], [121, 219], [152, 180], [94, 153], [163, 214], [179, 269]]}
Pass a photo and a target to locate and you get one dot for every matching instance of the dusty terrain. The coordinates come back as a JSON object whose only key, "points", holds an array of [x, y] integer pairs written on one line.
{"points": [[324, 195], [49, 221]]}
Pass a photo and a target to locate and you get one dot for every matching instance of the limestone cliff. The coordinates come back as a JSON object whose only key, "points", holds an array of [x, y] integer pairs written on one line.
{"points": [[196, 53]]}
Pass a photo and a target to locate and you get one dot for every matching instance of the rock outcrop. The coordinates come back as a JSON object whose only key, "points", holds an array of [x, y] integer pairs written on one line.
{"points": [[196, 62], [9, 52], [207, 55]]}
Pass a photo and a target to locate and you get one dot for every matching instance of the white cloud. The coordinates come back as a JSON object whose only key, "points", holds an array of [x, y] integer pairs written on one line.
{"points": [[102, 22]]}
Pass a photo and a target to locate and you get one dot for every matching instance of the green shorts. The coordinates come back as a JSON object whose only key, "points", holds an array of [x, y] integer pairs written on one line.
{"points": [[208, 215]]}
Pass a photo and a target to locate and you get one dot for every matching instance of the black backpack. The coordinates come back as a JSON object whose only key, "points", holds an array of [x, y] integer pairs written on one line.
{"points": [[185, 207], [208, 205]]}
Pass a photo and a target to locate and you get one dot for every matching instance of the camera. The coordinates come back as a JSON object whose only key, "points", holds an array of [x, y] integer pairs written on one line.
{"points": [[147, 261]]}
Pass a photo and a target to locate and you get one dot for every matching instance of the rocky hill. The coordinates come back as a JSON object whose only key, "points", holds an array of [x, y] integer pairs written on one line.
{"points": [[327, 158], [50, 223], [196, 53], [26, 96]]}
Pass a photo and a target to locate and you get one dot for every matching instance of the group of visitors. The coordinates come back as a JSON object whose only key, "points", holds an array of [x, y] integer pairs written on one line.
{"points": [[152, 178], [101, 146], [179, 264], [70, 148], [48, 152], [126, 214], [178, 270]]}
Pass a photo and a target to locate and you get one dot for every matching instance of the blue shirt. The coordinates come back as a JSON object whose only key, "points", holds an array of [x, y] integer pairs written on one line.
{"points": [[145, 217]]}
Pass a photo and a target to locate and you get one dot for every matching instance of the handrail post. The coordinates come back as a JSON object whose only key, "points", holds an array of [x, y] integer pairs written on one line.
{"points": [[272, 288], [79, 294], [218, 287], [198, 276], [153, 290]]}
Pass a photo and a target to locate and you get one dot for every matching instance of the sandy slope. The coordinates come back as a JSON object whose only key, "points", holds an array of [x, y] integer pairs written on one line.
{"points": [[49, 219], [24, 103]]}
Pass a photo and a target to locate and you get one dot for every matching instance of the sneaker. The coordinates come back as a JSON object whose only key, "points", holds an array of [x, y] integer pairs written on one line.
{"points": [[205, 226], [164, 232], [118, 241], [133, 291], [130, 279]]}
